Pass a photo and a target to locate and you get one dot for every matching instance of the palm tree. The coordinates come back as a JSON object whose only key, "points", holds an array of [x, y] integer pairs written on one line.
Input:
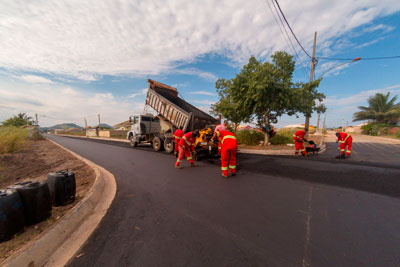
{"points": [[380, 109]]}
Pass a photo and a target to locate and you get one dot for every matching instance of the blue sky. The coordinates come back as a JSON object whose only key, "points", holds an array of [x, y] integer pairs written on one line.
{"points": [[70, 61]]}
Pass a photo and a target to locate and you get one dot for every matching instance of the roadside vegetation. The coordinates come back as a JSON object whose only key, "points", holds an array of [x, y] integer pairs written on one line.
{"points": [[384, 115], [12, 138], [264, 91]]}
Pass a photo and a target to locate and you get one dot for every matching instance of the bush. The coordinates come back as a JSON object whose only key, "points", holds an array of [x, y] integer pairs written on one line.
{"points": [[249, 137], [325, 131], [282, 137], [11, 139], [375, 129]]}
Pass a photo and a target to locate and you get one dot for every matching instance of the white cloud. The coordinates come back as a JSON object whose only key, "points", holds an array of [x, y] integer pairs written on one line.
{"points": [[34, 79], [142, 92], [88, 39], [60, 103], [202, 93], [202, 102], [203, 74], [360, 98]]}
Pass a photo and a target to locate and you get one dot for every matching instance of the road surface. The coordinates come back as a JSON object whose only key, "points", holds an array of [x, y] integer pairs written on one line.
{"points": [[278, 211]]}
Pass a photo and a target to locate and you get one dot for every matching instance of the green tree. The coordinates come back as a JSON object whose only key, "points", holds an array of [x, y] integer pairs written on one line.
{"points": [[226, 106], [265, 91], [18, 120], [380, 109]]}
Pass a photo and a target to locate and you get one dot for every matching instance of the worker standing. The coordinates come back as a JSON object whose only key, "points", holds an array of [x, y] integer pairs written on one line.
{"points": [[345, 140], [220, 127], [186, 149], [299, 138], [178, 134], [228, 152]]}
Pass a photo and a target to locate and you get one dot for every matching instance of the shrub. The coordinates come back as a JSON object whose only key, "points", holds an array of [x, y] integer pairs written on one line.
{"points": [[375, 129], [11, 139], [282, 137], [325, 131], [249, 137]]}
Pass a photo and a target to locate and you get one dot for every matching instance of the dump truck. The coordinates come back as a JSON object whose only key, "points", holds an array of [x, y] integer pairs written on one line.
{"points": [[173, 113]]}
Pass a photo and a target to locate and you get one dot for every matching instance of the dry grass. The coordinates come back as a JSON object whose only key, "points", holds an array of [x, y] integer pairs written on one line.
{"points": [[11, 139]]}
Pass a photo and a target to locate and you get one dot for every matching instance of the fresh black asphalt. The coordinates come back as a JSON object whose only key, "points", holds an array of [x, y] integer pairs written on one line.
{"points": [[278, 211]]}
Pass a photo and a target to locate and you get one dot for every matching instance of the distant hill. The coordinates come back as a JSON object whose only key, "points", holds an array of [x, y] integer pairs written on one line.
{"points": [[62, 126], [105, 125]]}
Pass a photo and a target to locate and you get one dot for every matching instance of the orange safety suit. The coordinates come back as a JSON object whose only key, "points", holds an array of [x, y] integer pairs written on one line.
{"points": [[298, 138], [345, 139], [178, 134], [228, 152], [185, 145]]}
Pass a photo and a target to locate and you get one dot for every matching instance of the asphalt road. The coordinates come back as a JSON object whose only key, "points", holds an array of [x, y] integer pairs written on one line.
{"points": [[278, 211]]}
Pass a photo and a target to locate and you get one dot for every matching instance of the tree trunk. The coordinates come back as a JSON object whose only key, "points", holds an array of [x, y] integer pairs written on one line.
{"points": [[266, 138]]}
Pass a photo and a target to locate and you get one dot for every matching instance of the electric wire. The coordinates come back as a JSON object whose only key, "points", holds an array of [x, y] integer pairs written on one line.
{"points": [[286, 36], [362, 58], [294, 35]]}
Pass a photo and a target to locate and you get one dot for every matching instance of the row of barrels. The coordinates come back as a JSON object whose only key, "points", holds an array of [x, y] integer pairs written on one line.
{"points": [[28, 203]]}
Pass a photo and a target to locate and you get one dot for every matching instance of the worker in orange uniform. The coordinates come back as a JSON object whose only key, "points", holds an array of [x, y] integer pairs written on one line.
{"points": [[299, 138], [345, 140], [228, 152], [178, 134], [186, 149], [220, 127]]}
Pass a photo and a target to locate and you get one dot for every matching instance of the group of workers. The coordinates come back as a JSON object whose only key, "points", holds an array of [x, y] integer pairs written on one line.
{"points": [[343, 138], [227, 147]]}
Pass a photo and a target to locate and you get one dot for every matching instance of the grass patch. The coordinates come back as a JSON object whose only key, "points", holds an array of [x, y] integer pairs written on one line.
{"points": [[282, 137], [249, 137], [11, 139]]}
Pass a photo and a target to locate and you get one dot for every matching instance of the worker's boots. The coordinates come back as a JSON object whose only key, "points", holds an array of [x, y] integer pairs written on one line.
{"points": [[341, 157], [193, 165], [178, 167]]}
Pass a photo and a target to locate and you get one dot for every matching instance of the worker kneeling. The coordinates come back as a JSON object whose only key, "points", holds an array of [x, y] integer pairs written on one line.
{"points": [[228, 152], [345, 140], [299, 138], [185, 147]]}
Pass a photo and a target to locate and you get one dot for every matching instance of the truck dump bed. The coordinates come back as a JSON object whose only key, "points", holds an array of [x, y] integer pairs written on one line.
{"points": [[164, 99]]}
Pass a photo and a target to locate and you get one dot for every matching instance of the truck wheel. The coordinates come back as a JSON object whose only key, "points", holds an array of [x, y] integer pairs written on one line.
{"points": [[132, 143], [169, 145], [157, 143]]}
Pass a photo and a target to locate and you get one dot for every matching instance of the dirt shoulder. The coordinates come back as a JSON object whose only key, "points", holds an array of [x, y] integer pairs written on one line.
{"points": [[33, 162]]}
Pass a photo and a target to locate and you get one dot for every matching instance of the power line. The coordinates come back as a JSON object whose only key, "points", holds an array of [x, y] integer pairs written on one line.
{"points": [[286, 36], [362, 58], [287, 23]]}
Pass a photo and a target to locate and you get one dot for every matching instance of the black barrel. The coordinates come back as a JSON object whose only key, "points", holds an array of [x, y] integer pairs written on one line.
{"points": [[62, 187], [11, 214], [36, 200]]}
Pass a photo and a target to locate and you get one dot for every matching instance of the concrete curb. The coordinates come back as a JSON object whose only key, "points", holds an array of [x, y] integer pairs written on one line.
{"points": [[60, 243]]}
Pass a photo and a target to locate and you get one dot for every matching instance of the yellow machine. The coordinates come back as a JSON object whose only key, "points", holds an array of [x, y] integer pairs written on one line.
{"points": [[203, 143]]}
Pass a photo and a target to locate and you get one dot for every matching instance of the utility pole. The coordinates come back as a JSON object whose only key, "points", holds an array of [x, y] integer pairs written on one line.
{"points": [[307, 124], [99, 119], [342, 125], [85, 123], [324, 121], [37, 121]]}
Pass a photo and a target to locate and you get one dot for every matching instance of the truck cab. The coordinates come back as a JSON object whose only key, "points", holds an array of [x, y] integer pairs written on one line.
{"points": [[151, 130]]}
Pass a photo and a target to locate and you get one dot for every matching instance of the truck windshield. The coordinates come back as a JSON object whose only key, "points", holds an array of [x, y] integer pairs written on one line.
{"points": [[135, 119]]}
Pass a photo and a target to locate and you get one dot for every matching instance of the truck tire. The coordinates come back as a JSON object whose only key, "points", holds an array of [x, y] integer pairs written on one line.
{"points": [[132, 142], [169, 145], [157, 144], [36, 200], [11, 214], [62, 187]]}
